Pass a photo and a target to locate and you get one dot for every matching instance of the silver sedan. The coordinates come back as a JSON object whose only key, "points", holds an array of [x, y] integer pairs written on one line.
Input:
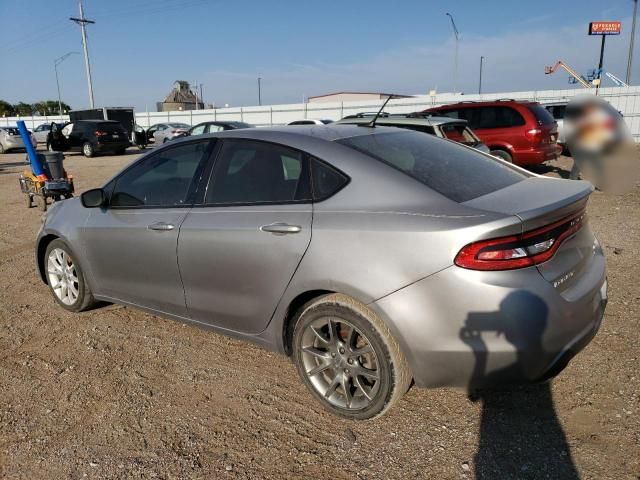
{"points": [[10, 139], [163, 132], [376, 258]]}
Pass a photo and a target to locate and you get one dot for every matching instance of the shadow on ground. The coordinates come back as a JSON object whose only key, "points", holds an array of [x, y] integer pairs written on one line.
{"points": [[520, 434]]}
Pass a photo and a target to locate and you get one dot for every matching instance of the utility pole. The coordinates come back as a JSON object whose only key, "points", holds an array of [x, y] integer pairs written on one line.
{"points": [[633, 34], [259, 92], [83, 24], [195, 89], [57, 62], [600, 64], [202, 98], [480, 83], [455, 68]]}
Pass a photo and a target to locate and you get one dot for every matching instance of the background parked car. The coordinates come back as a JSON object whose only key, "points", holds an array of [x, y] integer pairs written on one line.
{"points": [[89, 137], [521, 132], [309, 121], [10, 139], [163, 132], [41, 132], [213, 127], [443, 127]]}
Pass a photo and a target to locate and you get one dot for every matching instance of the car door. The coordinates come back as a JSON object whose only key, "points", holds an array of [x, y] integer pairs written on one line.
{"points": [[79, 134], [239, 249], [56, 139], [131, 244]]}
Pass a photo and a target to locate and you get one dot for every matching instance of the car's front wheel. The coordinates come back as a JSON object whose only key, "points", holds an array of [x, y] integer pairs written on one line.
{"points": [[348, 358], [65, 278]]}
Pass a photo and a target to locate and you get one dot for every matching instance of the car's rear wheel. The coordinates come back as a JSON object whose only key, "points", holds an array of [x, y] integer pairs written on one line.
{"points": [[506, 156], [87, 149], [348, 358], [1, 149], [65, 278]]}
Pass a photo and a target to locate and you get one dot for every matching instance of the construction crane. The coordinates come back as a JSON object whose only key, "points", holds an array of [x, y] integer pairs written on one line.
{"points": [[578, 78]]}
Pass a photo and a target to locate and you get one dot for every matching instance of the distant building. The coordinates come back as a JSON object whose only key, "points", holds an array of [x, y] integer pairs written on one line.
{"points": [[353, 97], [180, 98]]}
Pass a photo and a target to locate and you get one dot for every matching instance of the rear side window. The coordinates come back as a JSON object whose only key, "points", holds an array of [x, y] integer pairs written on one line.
{"points": [[499, 117], [249, 172], [326, 180], [542, 115], [456, 172]]}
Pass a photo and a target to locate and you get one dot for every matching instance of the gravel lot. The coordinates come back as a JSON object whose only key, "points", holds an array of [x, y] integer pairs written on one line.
{"points": [[117, 393]]}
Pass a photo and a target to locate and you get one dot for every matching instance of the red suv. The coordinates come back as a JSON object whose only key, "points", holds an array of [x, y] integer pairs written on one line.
{"points": [[521, 132]]}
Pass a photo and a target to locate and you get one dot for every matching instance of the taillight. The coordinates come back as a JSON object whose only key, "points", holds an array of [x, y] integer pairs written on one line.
{"points": [[100, 133], [519, 251], [534, 135]]}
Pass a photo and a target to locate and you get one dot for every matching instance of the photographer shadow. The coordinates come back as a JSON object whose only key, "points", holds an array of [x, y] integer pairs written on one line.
{"points": [[520, 434]]}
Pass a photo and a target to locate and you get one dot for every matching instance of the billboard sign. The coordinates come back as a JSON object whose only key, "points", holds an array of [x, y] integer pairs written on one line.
{"points": [[604, 28]]}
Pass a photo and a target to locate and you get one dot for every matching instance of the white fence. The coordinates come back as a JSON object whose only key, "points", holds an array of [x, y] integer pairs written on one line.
{"points": [[625, 99]]}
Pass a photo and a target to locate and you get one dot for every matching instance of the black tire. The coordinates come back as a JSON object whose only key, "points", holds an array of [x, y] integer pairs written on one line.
{"points": [[87, 150], [29, 200], [84, 298], [1, 149], [165, 140], [506, 156], [392, 373]]}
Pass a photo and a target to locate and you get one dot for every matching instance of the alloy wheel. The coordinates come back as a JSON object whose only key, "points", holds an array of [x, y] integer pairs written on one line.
{"points": [[63, 276], [340, 363]]}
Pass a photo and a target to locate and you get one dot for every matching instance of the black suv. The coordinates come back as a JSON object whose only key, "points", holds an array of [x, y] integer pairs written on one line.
{"points": [[89, 137]]}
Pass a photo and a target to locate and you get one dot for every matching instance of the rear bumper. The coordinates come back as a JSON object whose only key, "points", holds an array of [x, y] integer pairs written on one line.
{"points": [[463, 328], [538, 155]]}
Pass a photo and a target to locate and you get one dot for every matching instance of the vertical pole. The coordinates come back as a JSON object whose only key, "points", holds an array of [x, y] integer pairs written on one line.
{"points": [[87, 64], [480, 82], [55, 66], [259, 92], [600, 63], [633, 34], [202, 98]]}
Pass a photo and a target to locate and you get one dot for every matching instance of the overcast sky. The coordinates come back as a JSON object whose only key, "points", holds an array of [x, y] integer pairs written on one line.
{"points": [[139, 48]]}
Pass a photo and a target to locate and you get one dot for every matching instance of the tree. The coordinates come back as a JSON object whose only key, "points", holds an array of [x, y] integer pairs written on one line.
{"points": [[50, 107], [23, 109], [6, 109]]}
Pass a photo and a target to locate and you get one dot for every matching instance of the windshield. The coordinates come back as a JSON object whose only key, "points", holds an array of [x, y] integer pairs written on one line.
{"points": [[457, 172]]}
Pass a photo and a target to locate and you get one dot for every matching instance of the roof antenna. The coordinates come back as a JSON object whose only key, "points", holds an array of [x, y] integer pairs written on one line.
{"points": [[372, 123]]}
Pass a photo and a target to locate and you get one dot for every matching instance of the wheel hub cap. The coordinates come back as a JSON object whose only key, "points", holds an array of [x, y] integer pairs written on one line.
{"points": [[63, 277], [340, 363]]}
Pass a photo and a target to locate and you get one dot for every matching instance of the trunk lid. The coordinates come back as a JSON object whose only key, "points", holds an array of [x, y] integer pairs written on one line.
{"points": [[539, 202]]}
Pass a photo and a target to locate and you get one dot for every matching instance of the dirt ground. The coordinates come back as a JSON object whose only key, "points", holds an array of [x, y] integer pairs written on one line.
{"points": [[117, 393]]}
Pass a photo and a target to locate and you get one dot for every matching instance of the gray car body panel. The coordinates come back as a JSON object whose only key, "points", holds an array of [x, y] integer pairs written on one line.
{"points": [[386, 240]]}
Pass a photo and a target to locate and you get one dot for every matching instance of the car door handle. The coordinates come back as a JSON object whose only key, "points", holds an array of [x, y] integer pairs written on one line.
{"points": [[281, 228], [161, 226]]}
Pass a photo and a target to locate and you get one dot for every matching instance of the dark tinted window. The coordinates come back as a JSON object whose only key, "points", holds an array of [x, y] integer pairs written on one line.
{"points": [[248, 171], [109, 127], [161, 180], [456, 172], [556, 111], [498, 117], [542, 115], [326, 180]]}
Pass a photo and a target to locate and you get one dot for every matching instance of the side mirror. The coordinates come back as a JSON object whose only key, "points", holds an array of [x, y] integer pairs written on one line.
{"points": [[93, 198]]}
